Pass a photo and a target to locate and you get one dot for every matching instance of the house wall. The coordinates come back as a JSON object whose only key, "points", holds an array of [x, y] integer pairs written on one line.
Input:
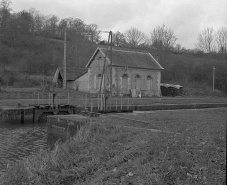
{"points": [[143, 73], [82, 83], [96, 68]]}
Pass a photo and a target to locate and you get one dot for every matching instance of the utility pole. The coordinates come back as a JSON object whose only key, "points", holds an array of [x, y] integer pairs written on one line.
{"points": [[213, 76], [64, 62], [111, 51]]}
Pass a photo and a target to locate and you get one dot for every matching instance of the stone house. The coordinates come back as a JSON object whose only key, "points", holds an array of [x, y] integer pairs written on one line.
{"points": [[132, 71]]}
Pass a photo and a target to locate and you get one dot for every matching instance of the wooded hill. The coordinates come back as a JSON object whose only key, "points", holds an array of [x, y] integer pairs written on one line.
{"points": [[31, 46], [32, 55]]}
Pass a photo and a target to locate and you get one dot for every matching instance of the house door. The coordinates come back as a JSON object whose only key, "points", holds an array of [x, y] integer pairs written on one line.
{"points": [[124, 84], [138, 82]]}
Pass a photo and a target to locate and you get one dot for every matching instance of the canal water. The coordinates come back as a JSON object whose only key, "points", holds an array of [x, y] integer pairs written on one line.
{"points": [[18, 141]]}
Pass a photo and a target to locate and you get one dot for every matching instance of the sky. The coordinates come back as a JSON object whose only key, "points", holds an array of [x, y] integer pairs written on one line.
{"points": [[185, 17]]}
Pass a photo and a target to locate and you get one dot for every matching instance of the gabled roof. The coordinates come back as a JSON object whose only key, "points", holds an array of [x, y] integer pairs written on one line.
{"points": [[72, 73], [136, 59]]}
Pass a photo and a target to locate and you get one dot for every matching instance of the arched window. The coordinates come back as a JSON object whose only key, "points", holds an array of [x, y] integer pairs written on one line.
{"points": [[149, 82], [138, 81], [124, 76]]}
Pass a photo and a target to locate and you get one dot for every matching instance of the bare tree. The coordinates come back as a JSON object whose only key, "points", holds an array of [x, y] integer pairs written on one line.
{"points": [[163, 38], [119, 39], [221, 40], [93, 32], [206, 40], [4, 16], [178, 48], [134, 37]]}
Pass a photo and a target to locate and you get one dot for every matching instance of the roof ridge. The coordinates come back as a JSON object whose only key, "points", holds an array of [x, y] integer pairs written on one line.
{"points": [[143, 52]]}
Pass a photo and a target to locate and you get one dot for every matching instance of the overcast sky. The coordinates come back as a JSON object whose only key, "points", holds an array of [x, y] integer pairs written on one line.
{"points": [[186, 17]]}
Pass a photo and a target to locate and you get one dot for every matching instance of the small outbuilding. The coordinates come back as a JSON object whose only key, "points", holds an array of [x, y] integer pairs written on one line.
{"points": [[76, 78]]}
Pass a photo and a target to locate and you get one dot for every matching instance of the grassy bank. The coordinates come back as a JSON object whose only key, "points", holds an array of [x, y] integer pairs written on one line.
{"points": [[105, 152]]}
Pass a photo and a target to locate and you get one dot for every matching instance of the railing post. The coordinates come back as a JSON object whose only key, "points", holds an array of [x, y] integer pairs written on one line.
{"points": [[91, 105], [101, 102], [22, 116], [116, 103], [38, 98], [121, 101], [98, 101], [128, 103], [85, 106]]}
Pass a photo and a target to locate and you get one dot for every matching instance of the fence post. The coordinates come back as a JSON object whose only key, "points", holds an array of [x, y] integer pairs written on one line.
{"points": [[38, 99], [98, 101], [116, 103], [110, 101], [32, 98], [101, 101], [128, 103], [85, 106], [121, 101], [49, 98], [91, 105]]}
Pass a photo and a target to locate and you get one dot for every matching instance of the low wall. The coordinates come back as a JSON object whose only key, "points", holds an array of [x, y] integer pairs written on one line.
{"points": [[65, 125]]}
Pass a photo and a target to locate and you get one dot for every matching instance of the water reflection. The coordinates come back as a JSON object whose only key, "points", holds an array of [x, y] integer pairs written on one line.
{"points": [[20, 140]]}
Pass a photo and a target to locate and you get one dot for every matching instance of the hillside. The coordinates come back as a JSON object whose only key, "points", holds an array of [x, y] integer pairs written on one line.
{"points": [[31, 58]]}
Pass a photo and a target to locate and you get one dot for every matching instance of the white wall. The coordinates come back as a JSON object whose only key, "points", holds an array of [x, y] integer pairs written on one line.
{"points": [[82, 83]]}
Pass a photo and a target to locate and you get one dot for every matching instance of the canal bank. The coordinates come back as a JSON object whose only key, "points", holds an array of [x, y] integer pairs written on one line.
{"points": [[102, 153], [67, 125]]}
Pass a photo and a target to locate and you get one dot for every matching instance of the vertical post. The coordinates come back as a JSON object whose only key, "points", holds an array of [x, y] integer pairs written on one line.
{"points": [[49, 98], [85, 106], [128, 104], [38, 99], [64, 62], [121, 101], [101, 105], [213, 76], [32, 98], [111, 54], [22, 116], [116, 103], [98, 101], [91, 105], [68, 98], [110, 102], [33, 115], [56, 101]]}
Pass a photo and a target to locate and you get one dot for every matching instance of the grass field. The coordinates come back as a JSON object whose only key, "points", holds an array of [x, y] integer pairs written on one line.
{"points": [[107, 151]]}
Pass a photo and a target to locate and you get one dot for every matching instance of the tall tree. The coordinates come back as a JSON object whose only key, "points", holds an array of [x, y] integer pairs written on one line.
{"points": [[51, 25], [25, 22], [206, 40], [134, 37], [221, 40], [163, 38], [4, 16], [119, 39], [93, 32]]}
